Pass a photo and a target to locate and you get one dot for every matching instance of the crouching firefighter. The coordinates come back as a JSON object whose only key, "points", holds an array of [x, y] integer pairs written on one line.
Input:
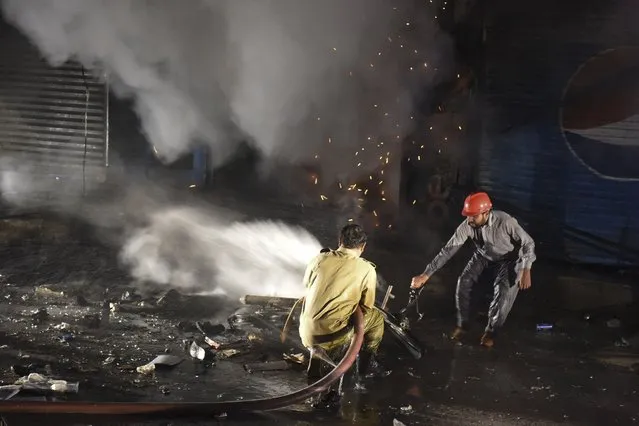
{"points": [[502, 246], [337, 282]]}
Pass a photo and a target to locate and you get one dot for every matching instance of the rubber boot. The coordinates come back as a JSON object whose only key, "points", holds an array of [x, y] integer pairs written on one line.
{"points": [[313, 374], [330, 399], [367, 367]]}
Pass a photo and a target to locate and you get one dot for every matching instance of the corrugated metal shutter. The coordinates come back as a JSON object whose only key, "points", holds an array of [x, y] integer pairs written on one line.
{"points": [[53, 120], [578, 193]]}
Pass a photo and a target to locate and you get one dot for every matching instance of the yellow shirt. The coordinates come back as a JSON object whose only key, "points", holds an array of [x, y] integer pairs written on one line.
{"points": [[336, 282]]}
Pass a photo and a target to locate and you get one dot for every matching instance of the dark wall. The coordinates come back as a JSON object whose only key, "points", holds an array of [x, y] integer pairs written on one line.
{"points": [[561, 128]]}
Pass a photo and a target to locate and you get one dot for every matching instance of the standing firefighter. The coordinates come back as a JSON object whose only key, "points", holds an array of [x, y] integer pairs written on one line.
{"points": [[502, 245], [337, 282]]}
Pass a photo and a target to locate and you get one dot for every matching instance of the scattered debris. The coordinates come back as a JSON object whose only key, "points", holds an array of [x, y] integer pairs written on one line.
{"points": [[252, 337], [47, 292], [65, 338], [64, 386], [38, 382], [539, 388], [411, 372], [227, 353], [206, 328], [407, 409], [62, 326], [40, 316], [146, 368], [212, 343], [613, 323], [109, 360], [130, 296], [295, 358], [622, 343], [165, 390], [267, 366], [159, 361], [167, 360], [544, 327], [197, 351]]}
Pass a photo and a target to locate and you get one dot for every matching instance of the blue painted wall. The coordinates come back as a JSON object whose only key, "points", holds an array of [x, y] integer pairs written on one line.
{"points": [[560, 142]]}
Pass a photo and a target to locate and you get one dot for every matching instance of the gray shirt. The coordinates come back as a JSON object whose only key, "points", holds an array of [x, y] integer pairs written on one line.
{"points": [[496, 240]]}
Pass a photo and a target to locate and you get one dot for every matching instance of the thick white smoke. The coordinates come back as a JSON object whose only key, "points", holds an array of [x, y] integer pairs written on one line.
{"points": [[195, 252], [25, 184], [287, 74]]}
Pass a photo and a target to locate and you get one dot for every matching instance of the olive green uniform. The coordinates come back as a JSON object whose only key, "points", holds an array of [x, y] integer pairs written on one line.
{"points": [[337, 282]]}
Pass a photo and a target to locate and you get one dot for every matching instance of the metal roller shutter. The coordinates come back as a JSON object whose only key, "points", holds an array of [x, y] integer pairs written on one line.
{"points": [[53, 120]]}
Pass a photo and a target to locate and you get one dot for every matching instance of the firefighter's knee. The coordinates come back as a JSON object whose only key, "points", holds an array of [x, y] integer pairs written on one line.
{"points": [[374, 330], [373, 320], [373, 339]]}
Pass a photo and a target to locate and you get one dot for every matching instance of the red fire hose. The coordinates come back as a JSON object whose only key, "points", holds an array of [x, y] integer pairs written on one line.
{"points": [[169, 409]]}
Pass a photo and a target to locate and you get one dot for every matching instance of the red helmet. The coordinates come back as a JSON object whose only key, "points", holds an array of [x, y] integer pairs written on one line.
{"points": [[476, 203]]}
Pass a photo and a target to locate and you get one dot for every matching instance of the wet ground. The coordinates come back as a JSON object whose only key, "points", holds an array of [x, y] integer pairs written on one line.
{"points": [[99, 328]]}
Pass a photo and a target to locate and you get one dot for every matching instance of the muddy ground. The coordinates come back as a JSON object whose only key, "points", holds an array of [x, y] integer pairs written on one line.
{"points": [[98, 328]]}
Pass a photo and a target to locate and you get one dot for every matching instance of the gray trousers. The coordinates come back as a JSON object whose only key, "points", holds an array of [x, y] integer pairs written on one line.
{"points": [[505, 290]]}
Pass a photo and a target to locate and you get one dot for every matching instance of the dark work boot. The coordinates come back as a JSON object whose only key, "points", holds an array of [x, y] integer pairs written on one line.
{"points": [[367, 367], [329, 400]]}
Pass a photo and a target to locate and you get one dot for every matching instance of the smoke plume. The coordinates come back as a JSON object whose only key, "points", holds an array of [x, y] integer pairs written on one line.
{"points": [[288, 75], [320, 81]]}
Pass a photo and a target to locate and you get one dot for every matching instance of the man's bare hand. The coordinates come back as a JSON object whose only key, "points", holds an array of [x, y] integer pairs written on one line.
{"points": [[418, 281], [525, 282]]}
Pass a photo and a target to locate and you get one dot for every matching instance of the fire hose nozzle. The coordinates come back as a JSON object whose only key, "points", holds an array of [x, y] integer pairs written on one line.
{"points": [[413, 299]]}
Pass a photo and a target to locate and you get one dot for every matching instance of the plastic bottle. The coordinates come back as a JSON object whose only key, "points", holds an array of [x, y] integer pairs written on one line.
{"points": [[64, 386]]}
